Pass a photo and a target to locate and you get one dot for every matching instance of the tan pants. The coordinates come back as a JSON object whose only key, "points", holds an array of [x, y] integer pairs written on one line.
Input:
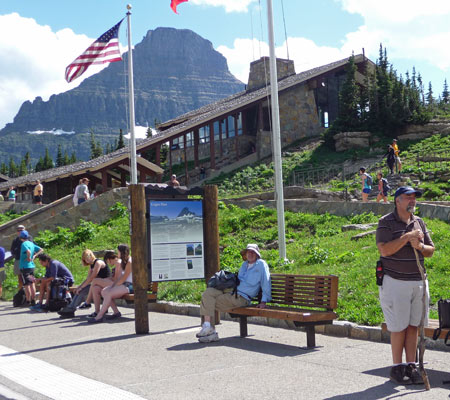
{"points": [[213, 299]]}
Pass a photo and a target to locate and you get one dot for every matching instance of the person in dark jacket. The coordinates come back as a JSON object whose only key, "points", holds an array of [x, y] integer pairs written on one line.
{"points": [[390, 160]]}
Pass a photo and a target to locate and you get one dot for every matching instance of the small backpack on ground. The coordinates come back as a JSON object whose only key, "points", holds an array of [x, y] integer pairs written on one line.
{"points": [[19, 298], [222, 280], [59, 295], [444, 320], [369, 179], [386, 186]]}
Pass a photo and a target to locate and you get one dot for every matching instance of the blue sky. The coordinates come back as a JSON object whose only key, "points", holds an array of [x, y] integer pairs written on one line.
{"points": [[172, 209], [39, 38]]}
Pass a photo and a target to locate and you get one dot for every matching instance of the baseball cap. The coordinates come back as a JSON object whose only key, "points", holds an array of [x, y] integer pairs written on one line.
{"points": [[20, 227], [407, 190], [24, 234], [254, 248]]}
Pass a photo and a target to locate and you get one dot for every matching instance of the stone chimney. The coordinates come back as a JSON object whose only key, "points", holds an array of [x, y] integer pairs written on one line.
{"points": [[261, 67]]}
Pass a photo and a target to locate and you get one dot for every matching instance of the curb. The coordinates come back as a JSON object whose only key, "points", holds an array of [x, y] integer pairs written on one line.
{"points": [[338, 328]]}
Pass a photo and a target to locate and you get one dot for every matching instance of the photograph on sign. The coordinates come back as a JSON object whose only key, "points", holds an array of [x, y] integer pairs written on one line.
{"points": [[176, 240]]}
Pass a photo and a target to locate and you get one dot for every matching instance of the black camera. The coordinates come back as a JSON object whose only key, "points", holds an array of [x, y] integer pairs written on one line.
{"points": [[379, 273]]}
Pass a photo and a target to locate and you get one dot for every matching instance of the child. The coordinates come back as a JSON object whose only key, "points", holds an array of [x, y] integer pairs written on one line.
{"points": [[383, 188]]}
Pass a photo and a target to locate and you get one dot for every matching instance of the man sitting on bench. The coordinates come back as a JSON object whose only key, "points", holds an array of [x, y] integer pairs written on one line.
{"points": [[253, 276]]}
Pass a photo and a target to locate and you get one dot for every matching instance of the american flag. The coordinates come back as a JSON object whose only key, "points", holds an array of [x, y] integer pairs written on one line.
{"points": [[105, 49]]}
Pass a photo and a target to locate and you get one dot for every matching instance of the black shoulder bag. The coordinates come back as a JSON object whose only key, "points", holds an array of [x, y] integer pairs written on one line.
{"points": [[444, 320]]}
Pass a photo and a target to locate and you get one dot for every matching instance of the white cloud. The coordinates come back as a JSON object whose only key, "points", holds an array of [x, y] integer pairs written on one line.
{"points": [[229, 5], [305, 53], [409, 29], [33, 60]]}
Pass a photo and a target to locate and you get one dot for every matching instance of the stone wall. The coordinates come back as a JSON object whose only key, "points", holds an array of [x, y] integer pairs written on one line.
{"points": [[63, 214], [352, 140], [416, 132], [342, 208], [260, 71]]}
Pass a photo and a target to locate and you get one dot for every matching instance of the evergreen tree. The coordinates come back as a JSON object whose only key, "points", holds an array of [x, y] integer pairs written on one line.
{"points": [[59, 157], [39, 165], [148, 134], [93, 146], [348, 113], [27, 159], [445, 93], [48, 162], [13, 171], [421, 89], [66, 159], [3, 169], [430, 99], [121, 143], [73, 158], [23, 168], [107, 148]]}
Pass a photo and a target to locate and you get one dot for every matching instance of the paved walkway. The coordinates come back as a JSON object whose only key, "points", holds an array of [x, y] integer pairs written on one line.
{"points": [[42, 357]]}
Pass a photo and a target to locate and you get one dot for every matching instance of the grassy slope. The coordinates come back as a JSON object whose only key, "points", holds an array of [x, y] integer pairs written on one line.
{"points": [[317, 247]]}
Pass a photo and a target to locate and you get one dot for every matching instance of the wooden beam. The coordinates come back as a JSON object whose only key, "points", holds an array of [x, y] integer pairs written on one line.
{"points": [[212, 152], [186, 172], [211, 233], [170, 156], [139, 252], [236, 136], [158, 154], [196, 143], [220, 138]]}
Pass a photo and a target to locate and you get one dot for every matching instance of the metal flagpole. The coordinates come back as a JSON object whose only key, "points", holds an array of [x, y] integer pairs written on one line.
{"points": [[279, 196], [131, 102]]}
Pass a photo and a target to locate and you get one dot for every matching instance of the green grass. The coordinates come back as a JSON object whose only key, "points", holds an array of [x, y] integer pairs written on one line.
{"points": [[316, 245]]}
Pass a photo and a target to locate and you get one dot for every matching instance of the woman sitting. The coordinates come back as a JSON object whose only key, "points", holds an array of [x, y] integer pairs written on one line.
{"points": [[98, 269], [98, 284], [123, 284]]}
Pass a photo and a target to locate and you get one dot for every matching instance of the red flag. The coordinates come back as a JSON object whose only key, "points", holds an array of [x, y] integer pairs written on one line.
{"points": [[174, 3], [105, 49]]}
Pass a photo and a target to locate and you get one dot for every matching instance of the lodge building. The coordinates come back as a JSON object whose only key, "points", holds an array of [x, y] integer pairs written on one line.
{"points": [[234, 129]]}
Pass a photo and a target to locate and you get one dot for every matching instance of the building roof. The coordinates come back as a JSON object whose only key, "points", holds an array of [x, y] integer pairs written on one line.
{"points": [[215, 110], [80, 168]]}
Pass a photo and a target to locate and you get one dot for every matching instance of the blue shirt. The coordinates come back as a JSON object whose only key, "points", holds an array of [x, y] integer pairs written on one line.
{"points": [[34, 248], [252, 279], [2, 257], [57, 269]]}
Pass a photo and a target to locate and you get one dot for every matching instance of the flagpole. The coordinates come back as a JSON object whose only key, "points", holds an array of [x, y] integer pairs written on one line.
{"points": [[131, 102], [279, 196]]}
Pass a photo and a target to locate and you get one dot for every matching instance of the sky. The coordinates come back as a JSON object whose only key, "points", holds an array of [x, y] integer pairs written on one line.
{"points": [[38, 39]]}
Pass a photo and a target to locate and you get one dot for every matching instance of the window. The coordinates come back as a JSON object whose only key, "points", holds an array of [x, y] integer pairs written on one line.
{"points": [[224, 128], [204, 134], [189, 139], [216, 131], [239, 124], [231, 130]]}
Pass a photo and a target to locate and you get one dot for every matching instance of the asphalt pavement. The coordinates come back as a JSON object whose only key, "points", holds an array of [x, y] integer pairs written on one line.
{"points": [[43, 356]]}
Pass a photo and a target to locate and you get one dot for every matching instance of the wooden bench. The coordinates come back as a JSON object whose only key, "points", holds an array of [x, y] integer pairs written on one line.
{"points": [[429, 330], [306, 300]]}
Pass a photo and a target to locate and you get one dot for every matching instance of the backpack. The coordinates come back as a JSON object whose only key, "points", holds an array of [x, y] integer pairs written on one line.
{"points": [[369, 179], [386, 186], [222, 280], [19, 298], [59, 295], [444, 320]]}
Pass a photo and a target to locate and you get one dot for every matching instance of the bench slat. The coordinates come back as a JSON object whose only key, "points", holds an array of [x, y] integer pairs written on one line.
{"points": [[285, 313]]}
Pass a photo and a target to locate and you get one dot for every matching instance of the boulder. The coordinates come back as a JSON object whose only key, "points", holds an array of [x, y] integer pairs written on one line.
{"points": [[351, 140]]}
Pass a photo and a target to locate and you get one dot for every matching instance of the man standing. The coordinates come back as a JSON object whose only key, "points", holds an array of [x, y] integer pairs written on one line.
{"points": [[15, 251], [28, 252], [253, 276], [38, 192], [53, 269], [2, 269], [82, 191], [11, 195], [398, 235], [173, 181]]}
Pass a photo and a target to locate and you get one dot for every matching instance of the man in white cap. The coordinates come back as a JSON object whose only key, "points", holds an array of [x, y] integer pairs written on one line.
{"points": [[253, 276]]}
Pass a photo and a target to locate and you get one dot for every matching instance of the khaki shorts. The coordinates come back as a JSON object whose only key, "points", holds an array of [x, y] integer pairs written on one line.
{"points": [[401, 302]]}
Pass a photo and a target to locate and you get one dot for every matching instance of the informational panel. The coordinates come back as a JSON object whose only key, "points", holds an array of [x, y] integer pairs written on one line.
{"points": [[176, 240]]}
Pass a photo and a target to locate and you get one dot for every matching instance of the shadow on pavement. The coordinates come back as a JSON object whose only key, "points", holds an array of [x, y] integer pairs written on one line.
{"points": [[389, 389], [249, 344]]}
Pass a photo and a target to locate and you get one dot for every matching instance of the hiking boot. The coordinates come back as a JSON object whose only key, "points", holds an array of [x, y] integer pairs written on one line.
{"points": [[398, 375], [205, 331], [213, 337], [92, 315], [36, 307], [413, 374], [84, 305]]}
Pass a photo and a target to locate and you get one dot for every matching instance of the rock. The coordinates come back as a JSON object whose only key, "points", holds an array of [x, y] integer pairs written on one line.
{"points": [[356, 227], [416, 132], [364, 234], [351, 140]]}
